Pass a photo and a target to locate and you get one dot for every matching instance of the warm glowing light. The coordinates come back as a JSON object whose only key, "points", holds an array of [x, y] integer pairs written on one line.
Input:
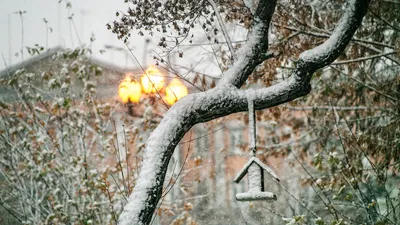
{"points": [[152, 81], [129, 90], [175, 91], [135, 90]]}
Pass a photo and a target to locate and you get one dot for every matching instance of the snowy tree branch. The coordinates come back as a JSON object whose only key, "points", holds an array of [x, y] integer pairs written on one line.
{"points": [[254, 51], [328, 51], [226, 98]]}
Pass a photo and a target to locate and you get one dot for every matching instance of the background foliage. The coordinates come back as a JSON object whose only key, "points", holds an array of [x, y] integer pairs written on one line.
{"points": [[349, 128]]}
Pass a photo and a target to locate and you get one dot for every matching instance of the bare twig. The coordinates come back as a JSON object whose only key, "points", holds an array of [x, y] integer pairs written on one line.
{"points": [[223, 28], [364, 58]]}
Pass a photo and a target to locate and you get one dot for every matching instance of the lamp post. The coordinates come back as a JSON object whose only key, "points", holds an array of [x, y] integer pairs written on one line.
{"points": [[146, 44]]}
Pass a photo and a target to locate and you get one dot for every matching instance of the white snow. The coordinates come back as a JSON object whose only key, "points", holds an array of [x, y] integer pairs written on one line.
{"points": [[254, 196], [250, 5], [165, 134], [324, 50], [244, 54], [252, 123], [156, 145], [254, 177]]}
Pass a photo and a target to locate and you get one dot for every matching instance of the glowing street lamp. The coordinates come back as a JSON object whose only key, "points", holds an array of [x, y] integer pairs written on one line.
{"points": [[152, 81], [136, 91], [130, 91], [175, 91]]}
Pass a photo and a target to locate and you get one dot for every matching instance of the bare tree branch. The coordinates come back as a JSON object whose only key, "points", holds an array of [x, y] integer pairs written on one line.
{"points": [[323, 35], [226, 98], [328, 51], [372, 48], [364, 58]]}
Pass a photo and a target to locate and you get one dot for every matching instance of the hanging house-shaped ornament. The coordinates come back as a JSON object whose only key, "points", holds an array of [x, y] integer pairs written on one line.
{"points": [[254, 168]]}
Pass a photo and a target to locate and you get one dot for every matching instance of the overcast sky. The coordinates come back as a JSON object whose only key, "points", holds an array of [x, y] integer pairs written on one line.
{"points": [[90, 17]]}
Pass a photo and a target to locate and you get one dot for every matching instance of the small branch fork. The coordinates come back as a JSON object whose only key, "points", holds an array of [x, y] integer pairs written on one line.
{"points": [[227, 98]]}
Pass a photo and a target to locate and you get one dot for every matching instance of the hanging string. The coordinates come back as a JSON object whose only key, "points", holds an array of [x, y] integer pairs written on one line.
{"points": [[252, 125]]}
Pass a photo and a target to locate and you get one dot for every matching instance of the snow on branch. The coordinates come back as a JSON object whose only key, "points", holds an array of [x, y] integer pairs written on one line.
{"points": [[226, 99], [328, 51], [190, 110], [254, 51]]}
